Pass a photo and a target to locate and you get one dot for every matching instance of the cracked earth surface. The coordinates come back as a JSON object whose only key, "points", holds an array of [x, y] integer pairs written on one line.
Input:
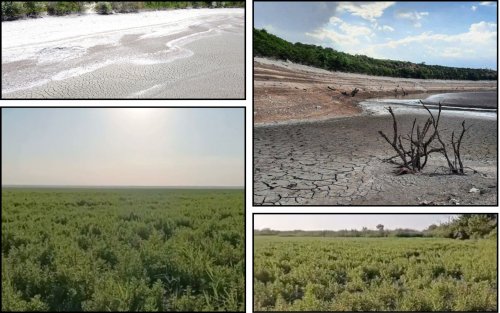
{"points": [[339, 162], [204, 60]]}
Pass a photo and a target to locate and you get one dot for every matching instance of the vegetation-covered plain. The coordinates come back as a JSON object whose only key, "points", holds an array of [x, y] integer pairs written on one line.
{"points": [[306, 273], [122, 250], [12, 10], [268, 45]]}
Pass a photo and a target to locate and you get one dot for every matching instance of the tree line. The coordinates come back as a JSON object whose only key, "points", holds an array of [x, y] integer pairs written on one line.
{"points": [[269, 45], [13, 10], [465, 226]]}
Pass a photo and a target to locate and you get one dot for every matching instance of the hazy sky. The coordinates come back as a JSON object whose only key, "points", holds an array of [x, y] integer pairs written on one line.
{"points": [[459, 34], [347, 221], [140, 147]]}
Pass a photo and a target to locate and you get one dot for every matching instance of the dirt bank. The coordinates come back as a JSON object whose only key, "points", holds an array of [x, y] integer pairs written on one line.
{"points": [[285, 91]]}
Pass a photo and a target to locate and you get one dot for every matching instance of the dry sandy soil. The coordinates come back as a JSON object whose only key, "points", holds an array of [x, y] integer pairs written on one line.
{"points": [[161, 54], [284, 91], [315, 146]]}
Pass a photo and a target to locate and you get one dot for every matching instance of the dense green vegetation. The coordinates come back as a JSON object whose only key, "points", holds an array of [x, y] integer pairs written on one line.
{"points": [[268, 45], [63, 7], [374, 274], [12, 10], [122, 250], [464, 227]]}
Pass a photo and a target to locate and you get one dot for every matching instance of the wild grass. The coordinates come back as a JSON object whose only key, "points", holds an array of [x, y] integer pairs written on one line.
{"points": [[381, 274], [122, 250]]}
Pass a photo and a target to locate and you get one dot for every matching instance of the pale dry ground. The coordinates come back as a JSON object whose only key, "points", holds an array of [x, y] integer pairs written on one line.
{"points": [[164, 54], [285, 91], [334, 156]]}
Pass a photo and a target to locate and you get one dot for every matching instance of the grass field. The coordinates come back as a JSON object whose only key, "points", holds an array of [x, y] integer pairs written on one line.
{"points": [[122, 250], [363, 274]]}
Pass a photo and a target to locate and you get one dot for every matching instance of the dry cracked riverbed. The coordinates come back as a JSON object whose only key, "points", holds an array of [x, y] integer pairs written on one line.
{"points": [[340, 162], [164, 54]]}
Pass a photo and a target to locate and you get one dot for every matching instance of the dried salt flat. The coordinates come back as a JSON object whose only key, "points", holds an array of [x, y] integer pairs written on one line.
{"points": [[40, 52]]}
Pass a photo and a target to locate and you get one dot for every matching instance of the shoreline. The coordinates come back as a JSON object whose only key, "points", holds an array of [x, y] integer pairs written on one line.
{"points": [[364, 111], [287, 92]]}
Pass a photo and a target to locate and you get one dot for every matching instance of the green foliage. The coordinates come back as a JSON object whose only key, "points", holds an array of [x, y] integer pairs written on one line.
{"points": [[122, 250], [374, 274], [126, 7], [34, 8], [467, 226], [103, 8], [64, 7], [231, 4], [268, 45], [160, 5], [12, 10], [399, 232]]}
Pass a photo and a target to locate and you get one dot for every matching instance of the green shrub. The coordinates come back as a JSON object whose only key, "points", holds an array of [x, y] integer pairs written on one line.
{"points": [[374, 274], [34, 8], [116, 253], [126, 7], [200, 4], [103, 8], [64, 7], [162, 5], [12, 10]]}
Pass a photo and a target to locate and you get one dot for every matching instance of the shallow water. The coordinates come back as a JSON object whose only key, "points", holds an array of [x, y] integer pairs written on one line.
{"points": [[483, 99], [482, 105]]}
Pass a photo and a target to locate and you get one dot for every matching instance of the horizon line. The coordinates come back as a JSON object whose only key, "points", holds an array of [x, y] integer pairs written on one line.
{"points": [[123, 186]]}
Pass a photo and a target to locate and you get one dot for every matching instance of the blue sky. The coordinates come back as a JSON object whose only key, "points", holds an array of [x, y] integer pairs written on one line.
{"points": [[140, 147], [347, 221], [462, 34]]}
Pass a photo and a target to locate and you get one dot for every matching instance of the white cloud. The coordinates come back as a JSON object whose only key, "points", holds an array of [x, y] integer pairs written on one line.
{"points": [[476, 46], [386, 28], [488, 3], [453, 52], [415, 17], [473, 8], [333, 36], [270, 28], [483, 27], [350, 29], [479, 41], [368, 11], [344, 35]]}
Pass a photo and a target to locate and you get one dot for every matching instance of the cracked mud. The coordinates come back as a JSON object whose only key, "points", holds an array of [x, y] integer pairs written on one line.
{"points": [[340, 162], [197, 56]]}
